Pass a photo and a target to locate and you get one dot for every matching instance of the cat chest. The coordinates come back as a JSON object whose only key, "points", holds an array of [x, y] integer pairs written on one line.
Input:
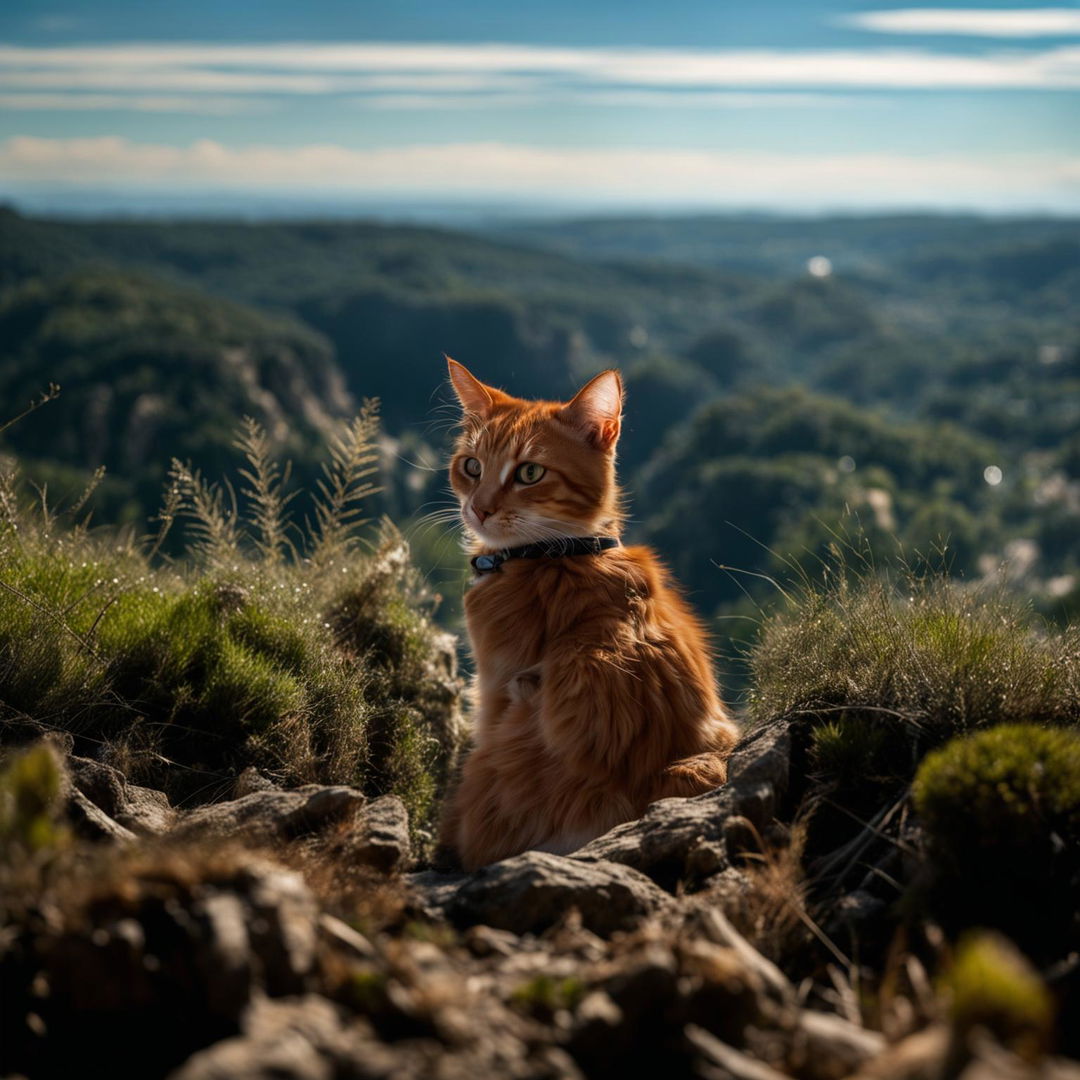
{"points": [[505, 622]]}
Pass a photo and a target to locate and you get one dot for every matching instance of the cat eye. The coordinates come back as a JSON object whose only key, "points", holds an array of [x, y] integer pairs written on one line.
{"points": [[472, 467], [529, 472]]}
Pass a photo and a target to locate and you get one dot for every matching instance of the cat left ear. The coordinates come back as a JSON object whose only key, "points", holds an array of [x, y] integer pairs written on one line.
{"points": [[597, 410]]}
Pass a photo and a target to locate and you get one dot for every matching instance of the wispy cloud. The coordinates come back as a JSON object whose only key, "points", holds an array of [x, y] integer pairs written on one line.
{"points": [[613, 176], [307, 68], [972, 22], [202, 104], [616, 98]]}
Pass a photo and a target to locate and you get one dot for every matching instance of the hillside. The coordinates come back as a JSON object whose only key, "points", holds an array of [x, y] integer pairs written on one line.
{"points": [[923, 322]]}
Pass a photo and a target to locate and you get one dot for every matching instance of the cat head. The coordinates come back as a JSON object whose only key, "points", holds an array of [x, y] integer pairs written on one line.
{"points": [[525, 471]]}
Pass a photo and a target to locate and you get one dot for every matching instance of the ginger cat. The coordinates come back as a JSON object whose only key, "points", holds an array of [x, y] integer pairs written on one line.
{"points": [[594, 692]]}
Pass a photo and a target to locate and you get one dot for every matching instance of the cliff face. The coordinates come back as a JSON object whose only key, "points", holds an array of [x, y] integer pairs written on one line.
{"points": [[152, 370]]}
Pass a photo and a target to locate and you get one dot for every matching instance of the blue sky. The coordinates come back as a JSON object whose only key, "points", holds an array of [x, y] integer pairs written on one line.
{"points": [[818, 105]]}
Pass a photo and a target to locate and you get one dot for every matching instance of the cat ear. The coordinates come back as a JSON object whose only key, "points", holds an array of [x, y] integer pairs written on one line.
{"points": [[474, 396], [597, 409]]}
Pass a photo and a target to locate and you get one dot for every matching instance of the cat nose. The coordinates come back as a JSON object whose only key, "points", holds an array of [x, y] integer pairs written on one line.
{"points": [[483, 515]]}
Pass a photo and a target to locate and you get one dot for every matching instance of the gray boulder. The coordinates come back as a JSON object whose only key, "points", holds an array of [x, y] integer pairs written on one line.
{"points": [[273, 816], [531, 892], [689, 840], [383, 840], [138, 810], [91, 822]]}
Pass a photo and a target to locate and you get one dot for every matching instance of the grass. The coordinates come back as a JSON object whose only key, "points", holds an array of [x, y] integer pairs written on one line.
{"points": [[308, 651], [878, 662], [937, 723]]}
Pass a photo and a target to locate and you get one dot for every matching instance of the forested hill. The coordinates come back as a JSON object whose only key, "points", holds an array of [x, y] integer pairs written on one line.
{"points": [[769, 400]]}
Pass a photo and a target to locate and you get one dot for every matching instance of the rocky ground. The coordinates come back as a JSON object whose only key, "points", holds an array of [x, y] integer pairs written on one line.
{"points": [[289, 934]]}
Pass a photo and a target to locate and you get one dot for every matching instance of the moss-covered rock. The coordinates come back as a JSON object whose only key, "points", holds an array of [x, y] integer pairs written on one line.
{"points": [[1001, 812]]}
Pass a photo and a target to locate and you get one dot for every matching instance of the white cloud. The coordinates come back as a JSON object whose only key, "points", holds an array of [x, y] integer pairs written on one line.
{"points": [[307, 68], [627, 176], [973, 22]]}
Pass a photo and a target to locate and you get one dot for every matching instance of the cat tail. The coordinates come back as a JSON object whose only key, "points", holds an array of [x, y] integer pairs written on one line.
{"points": [[693, 775]]}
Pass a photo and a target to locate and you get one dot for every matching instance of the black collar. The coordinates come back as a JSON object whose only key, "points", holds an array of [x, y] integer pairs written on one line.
{"points": [[546, 549]]}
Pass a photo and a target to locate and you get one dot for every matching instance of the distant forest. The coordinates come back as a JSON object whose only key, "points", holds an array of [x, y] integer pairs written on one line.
{"points": [[919, 394]]}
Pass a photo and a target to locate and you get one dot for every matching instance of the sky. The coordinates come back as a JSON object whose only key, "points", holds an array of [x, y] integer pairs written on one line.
{"points": [[810, 106]]}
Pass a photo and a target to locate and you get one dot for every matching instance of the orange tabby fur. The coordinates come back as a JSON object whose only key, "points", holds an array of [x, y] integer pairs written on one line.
{"points": [[594, 689]]}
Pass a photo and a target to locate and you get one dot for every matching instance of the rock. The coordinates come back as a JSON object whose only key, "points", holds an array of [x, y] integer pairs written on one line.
{"points": [[718, 929], [147, 812], [270, 817], [299, 1039], [532, 892], [433, 891], [861, 917], [283, 923], [103, 785], [483, 941], [138, 809], [687, 841], [224, 951], [92, 823], [384, 835], [250, 781], [169, 957], [343, 936]]}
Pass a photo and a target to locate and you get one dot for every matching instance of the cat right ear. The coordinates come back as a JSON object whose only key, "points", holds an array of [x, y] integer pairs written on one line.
{"points": [[474, 396]]}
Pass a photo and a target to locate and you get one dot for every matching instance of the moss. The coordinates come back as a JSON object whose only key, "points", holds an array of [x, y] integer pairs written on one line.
{"points": [[435, 933], [365, 990], [991, 985], [544, 995], [1011, 793], [30, 788], [1001, 813]]}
